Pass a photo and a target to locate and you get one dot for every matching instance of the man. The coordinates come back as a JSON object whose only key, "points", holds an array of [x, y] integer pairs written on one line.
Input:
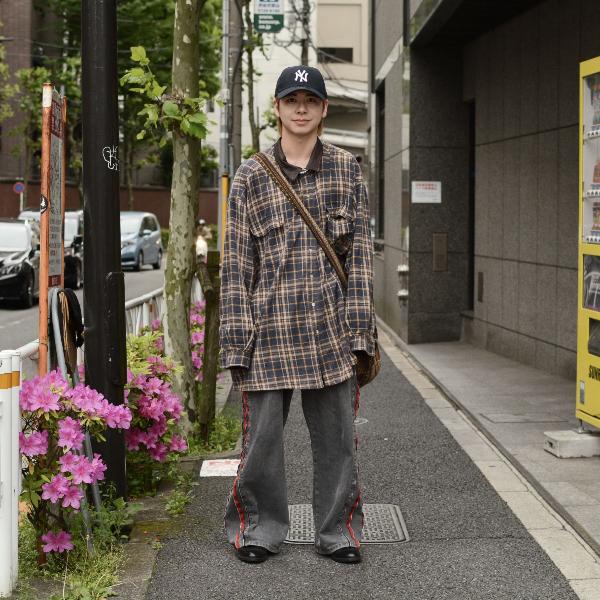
{"points": [[286, 323]]}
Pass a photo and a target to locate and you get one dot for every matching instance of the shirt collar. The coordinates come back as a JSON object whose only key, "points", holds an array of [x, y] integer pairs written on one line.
{"points": [[292, 171]]}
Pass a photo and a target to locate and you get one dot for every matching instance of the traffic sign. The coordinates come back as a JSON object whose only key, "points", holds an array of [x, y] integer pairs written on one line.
{"points": [[19, 187], [268, 16], [268, 23]]}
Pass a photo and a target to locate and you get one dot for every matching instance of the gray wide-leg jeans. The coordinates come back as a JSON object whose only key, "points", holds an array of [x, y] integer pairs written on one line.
{"points": [[257, 509]]}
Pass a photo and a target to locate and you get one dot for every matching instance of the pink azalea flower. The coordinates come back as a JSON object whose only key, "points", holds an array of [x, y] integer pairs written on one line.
{"points": [[56, 381], [118, 416], [34, 444], [70, 434], [57, 542], [158, 453], [72, 498], [82, 471], [153, 385], [56, 489], [156, 324], [133, 439], [178, 444], [197, 337], [97, 468], [43, 399], [68, 461]]}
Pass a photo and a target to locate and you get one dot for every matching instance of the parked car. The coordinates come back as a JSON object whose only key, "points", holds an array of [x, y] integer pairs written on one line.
{"points": [[19, 261], [73, 243], [73, 249], [140, 240]]}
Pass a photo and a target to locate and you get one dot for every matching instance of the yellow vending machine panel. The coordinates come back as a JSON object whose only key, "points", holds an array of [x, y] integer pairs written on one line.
{"points": [[588, 317]]}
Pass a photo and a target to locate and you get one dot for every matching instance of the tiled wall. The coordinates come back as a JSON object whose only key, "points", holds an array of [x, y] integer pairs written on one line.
{"points": [[523, 77]]}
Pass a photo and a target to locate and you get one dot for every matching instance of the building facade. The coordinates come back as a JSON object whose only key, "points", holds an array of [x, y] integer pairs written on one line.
{"points": [[483, 99]]}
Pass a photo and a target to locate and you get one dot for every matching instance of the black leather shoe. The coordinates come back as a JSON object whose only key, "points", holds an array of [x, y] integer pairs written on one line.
{"points": [[347, 555], [252, 554]]}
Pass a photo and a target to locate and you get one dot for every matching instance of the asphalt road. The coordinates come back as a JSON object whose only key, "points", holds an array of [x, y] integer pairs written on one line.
{"points": [[18, 326]]}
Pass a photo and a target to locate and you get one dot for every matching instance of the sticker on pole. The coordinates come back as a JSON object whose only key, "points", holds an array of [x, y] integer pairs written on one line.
{"points": [[55, 241], [224, 467]]}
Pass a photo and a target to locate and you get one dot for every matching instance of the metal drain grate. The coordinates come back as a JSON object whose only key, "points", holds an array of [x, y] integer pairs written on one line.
{"points": [[383, 524]]}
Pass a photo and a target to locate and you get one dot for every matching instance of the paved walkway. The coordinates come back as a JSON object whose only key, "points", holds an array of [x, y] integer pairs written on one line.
{"points": [[466, 543]]}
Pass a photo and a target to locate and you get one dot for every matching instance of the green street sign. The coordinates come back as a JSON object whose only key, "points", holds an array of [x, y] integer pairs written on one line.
{"points": [[268, 23]]}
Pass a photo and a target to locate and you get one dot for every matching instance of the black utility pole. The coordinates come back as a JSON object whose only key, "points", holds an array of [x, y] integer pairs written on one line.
{"points": [[104, 288]]}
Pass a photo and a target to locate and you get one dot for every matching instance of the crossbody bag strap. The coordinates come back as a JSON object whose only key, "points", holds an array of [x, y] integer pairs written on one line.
{"points": [[291, 195]]}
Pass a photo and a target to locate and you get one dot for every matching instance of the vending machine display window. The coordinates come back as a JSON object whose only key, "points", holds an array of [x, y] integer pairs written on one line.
{"points": [[587, 406]]}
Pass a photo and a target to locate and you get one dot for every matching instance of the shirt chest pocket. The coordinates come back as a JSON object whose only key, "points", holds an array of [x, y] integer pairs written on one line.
{"points": [[340, 229], [265, 219]]}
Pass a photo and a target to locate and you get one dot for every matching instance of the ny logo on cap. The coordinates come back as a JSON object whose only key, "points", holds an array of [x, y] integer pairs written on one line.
{"points": [[301, 76]]}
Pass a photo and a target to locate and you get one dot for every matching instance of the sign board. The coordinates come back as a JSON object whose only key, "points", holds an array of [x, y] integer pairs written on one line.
{"points": [[19, 187], [426, 192], [55, 242], [223, 467], [268, 16]]}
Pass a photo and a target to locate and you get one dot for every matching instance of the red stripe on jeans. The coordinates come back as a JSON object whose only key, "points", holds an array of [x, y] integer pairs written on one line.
{"points": [[236, 498], [349, 521]]}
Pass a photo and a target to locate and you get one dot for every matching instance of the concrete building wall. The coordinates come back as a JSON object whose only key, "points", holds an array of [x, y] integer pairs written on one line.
{"points": [[519, 80], [523, 79]]}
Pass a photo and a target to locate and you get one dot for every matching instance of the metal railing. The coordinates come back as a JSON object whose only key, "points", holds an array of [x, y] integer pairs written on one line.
{"points": [[140, 312]]}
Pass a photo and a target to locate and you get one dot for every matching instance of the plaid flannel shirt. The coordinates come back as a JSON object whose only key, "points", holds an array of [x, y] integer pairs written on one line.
{"points": [[284, 317]]}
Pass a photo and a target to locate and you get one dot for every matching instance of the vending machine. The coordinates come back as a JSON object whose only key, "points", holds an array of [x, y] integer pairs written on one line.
{"points": [[588, 317]]}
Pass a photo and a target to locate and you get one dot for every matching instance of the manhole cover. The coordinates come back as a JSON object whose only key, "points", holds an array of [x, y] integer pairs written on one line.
{"points": [[383, 524]]}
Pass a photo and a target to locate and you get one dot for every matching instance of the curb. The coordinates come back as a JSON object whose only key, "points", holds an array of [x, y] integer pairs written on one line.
{"points": [[475, 421]]}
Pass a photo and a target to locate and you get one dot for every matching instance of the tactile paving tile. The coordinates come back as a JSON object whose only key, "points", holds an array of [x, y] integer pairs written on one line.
{"points": [[383, 524]]}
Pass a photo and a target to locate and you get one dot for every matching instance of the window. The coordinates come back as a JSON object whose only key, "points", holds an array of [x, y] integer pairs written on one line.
{"points": [[335, 55]]}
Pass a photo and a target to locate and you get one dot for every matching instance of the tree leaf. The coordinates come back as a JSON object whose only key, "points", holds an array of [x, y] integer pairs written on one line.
{"points": [[138, 53], [170, 109], [141, 135], [199, 118], [185, 125], [157, 90]]}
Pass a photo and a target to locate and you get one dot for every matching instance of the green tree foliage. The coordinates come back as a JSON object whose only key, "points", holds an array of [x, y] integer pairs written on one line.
{"points": [[147, 23], [7, 89], [29, 127]]}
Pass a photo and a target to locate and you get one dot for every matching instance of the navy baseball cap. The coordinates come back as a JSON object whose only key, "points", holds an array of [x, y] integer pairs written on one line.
{"points": [[293, 79]]}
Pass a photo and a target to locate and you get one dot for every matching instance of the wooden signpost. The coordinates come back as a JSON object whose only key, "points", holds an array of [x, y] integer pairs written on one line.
{"points": [[52, 208]]}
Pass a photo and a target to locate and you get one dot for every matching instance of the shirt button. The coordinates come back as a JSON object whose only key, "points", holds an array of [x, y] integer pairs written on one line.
{"points": [[312, 303]]}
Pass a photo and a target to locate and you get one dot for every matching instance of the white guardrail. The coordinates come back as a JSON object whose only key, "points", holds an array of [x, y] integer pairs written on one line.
{"points": [[19, 364]]}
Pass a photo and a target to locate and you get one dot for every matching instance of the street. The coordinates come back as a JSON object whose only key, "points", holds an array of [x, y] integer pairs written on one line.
{"points": [[19, 326]]}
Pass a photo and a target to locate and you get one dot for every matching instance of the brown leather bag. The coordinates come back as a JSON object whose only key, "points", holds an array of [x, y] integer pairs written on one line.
{"points": [[368, 366]]}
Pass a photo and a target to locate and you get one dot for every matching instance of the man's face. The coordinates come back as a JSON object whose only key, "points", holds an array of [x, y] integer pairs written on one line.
{"points": [[301, 112]]}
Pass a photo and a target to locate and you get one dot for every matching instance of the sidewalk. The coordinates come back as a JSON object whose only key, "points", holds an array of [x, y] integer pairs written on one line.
{"points": [[515, 404], [465, 541]]}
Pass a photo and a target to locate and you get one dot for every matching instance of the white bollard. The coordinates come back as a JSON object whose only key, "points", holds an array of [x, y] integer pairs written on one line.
{"points": [[7, 508], [17, 376]]}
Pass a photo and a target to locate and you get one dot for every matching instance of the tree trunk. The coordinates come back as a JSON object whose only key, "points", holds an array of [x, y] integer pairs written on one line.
{"points": [[184, 204], [254, 130]]}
